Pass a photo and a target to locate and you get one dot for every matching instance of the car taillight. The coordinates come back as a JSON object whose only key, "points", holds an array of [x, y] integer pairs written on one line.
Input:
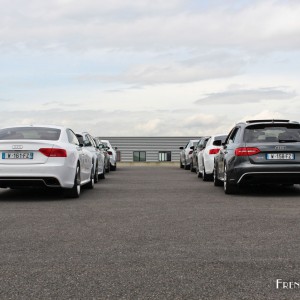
{"points": [[214, 151], [109, 152], [191, 152], [246, 151], [54, 152]]}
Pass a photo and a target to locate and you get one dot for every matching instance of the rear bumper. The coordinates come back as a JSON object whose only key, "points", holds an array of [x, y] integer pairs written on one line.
{"points": [[269, 178], [39, 175], [29, 182], [269, 174]]}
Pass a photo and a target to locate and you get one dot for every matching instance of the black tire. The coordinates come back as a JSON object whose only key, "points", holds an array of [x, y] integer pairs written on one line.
{"points": [[96, 178], [102, 176], [205, 176], [186, 167], [91, 183], [192, 167], [74, 192], [197, 171], [229, 188], [113, 168], [108, 168], [181, 165], [217, 181]]}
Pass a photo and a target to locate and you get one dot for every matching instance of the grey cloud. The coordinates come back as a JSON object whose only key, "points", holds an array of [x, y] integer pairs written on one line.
{"points": [[246, 96]]}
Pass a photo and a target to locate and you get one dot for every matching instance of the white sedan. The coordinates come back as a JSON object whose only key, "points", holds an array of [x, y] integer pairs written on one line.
{"points": [[44, 156], [205, 166]]}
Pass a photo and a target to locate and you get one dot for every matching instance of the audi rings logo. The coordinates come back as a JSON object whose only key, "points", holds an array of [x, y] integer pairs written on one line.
{"points": [[280, 147], [16, 147]]}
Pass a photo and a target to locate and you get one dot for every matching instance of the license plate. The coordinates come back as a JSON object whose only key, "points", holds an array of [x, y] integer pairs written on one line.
{"points": [[286, 156], [17, 155]]}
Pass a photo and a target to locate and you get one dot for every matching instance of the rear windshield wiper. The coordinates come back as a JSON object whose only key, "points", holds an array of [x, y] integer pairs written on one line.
{"points": [[288, 141]]}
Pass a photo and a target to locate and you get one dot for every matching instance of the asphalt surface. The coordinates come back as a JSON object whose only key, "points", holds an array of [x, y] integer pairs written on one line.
{"points": [[150, 233]]}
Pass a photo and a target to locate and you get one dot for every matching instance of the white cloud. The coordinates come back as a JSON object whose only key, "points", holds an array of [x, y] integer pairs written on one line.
{"points": [[265, 114], [265, 25], [246, 96], [127, 67]]}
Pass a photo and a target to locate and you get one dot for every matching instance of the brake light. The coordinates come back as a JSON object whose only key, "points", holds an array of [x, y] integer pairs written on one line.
{"points": [[191, 152], [214, 151], [246, 151], [109, 152], [53, 152]]}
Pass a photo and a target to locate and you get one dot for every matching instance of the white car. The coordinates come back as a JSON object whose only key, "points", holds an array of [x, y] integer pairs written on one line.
{"points": [[112, 153], [205, 166], [44, 156], [98, 156], [186, 154]]}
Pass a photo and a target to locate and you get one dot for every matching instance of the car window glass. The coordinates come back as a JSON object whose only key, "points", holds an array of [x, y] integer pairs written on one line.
{"points": [[92, 141], [205, 142], [221, 137], [72, 137], [272, 133], [232, 137], [87, 142], [30, 133]]}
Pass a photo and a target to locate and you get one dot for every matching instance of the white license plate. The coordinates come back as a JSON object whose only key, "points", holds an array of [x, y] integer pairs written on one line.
{"points": [[286, 156], [17, 155]]}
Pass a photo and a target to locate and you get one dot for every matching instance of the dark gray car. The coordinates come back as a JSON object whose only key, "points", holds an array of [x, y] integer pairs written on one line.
{"points": [[259, 152]]}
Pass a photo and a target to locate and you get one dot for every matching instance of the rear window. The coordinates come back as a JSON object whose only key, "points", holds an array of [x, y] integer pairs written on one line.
{"points": [[266, 133], [221, 137], [30, 133]]}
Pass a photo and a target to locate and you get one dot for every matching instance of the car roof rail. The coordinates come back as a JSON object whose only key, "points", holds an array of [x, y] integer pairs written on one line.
{"points": [[268, 120]]}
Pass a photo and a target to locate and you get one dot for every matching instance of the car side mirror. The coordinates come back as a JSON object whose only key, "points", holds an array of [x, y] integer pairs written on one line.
{"points": [[192, 147], [181, 148], [80, 145]]}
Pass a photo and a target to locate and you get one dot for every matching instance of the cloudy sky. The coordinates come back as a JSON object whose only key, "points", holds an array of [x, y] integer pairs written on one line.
{"points": [[148, 67]]}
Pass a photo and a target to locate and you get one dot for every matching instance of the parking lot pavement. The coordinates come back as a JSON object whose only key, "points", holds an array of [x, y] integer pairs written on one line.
{"points": [[150, 233]]}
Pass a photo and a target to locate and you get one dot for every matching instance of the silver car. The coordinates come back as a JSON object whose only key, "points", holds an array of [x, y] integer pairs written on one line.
{"points": [[102, 147], [98, 156], [186, 154]]}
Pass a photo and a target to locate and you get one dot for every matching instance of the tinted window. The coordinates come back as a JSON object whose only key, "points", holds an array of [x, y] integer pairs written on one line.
{"points": [[30, 133], [221, 137], [266, 133], [164, 155], [139, 156]]}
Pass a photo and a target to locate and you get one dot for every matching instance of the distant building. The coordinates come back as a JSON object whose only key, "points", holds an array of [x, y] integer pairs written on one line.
{"points": [[148, 149]]}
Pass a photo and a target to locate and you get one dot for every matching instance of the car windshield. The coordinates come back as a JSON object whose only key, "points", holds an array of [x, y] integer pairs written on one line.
{"points": [[30, 133], [266, 133]]}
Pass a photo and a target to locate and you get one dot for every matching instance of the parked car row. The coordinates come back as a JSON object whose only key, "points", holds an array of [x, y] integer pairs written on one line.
{"points": [[254, 152], [53, 156]]}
